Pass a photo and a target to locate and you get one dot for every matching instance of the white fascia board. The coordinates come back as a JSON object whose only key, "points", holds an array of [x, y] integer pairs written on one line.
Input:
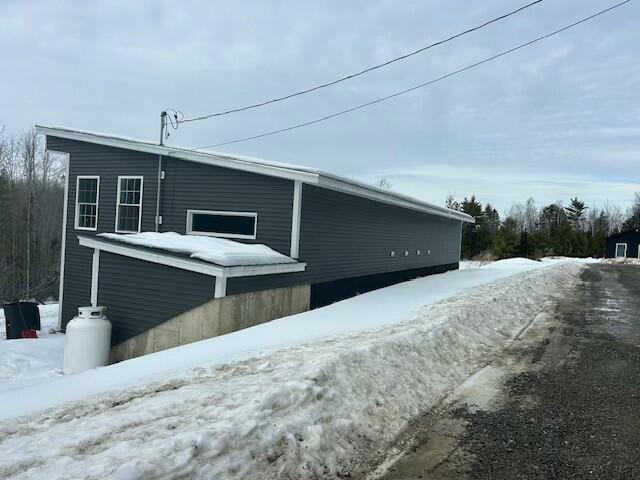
{"points": [[126, 251], [191, 265], [322, 179], [191, 155], [361, 190], [251, 270]]}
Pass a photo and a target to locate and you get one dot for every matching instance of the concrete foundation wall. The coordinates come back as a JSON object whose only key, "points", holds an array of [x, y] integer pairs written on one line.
{"points": [[216, 317]]}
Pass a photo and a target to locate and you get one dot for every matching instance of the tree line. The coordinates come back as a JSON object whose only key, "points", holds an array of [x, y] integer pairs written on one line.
{"points": [[574, 230], [31, 204]]}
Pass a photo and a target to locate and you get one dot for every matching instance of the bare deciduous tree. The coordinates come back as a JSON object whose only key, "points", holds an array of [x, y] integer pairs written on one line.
{"points": [[31, 199]]}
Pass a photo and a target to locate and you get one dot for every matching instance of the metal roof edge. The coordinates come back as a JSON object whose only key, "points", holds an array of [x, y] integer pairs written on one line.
{"points": [[207, 158], [311, 176], [354, 187]]}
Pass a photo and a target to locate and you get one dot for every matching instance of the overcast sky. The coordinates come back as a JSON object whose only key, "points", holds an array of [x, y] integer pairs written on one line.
{"points": [[554, 120]]}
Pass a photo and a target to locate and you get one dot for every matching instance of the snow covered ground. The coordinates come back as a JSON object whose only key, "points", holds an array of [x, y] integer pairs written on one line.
{"points": [[28, 361], [375, 309], [350, 378]]}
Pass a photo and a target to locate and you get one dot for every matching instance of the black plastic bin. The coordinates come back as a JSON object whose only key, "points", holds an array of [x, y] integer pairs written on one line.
{"points": [[20, 316]]}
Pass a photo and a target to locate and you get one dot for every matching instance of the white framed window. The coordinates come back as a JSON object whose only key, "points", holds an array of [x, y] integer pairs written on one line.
{"points": [[129, 204], [222, 224], [621, 250], [87, 196]]}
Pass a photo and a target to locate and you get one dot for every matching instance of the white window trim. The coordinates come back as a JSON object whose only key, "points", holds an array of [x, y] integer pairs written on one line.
{"points": [[118, 204], [190, 230], [625, 250], [76, 223]]}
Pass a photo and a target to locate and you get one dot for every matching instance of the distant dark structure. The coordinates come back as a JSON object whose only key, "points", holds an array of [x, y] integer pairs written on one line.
{"points": [[624, 244]]}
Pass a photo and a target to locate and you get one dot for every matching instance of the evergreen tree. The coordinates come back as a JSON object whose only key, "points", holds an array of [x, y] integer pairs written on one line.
{"points": [[576, 213], [471, 231], [506, 242]]}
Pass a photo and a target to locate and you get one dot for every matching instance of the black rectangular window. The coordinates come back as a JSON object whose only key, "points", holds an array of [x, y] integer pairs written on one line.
{"points": [[222, 224], [87, 192], [129, 208]]}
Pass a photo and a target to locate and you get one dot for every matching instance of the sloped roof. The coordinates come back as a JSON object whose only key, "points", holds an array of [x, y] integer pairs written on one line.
{"points": [[264, 167], [626, 232]]}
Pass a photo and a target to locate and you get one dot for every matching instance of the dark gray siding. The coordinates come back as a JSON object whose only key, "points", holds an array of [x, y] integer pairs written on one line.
{"points": [[195, 186], [142, 295], [344, 236], [631, 238], [187, 185], [108, 163]]}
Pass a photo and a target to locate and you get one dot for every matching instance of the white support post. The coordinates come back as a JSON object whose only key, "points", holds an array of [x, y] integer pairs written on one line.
{"points": [[295, 219], [221, 287], [460, 242], [95, 270]]}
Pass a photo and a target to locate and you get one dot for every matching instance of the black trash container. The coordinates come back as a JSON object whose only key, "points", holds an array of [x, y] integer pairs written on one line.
{"points": [[20, 316]]}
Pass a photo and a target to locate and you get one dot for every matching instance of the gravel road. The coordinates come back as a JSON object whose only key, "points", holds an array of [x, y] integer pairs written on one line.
{"points": [[563, 402]]}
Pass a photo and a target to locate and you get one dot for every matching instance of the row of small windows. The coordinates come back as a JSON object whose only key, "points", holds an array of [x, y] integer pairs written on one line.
{"points": [[129, 212], [406, 253]]}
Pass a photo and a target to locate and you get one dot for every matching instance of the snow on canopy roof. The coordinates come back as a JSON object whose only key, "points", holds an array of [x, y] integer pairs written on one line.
{"points": [[219, 251], [258, 165]]}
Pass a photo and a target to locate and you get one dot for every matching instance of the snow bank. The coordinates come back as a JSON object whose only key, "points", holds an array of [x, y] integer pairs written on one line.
{"points": [[210, 249], [316, 410], [28, 361], [375, 309], [505, 263], [523, 262]]}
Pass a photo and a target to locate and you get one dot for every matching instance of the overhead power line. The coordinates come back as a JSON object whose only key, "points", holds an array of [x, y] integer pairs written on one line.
{"points": [[361, 72], [422, 85]]}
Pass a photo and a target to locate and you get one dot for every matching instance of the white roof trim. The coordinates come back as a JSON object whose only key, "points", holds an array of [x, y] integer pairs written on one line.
{"points": [[256, 165], [236, 163], [189, 264]]}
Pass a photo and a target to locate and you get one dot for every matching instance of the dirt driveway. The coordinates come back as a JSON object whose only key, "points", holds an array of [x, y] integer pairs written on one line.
{"points": [[563, 402]]}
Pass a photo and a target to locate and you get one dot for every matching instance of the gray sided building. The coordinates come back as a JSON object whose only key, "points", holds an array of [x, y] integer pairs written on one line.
{"points": [[624, 244], [347, 238]]}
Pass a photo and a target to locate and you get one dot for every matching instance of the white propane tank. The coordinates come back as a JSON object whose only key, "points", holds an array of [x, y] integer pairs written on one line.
{"points": [[87, 341]]}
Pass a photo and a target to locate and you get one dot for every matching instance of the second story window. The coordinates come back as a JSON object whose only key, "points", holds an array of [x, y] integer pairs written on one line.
{"points": [[87, 194], [129, 205]]}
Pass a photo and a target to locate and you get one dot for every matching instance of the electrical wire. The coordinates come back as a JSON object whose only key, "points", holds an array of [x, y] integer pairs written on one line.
{"points": [[422, 85], [173, 119], [361, 72]]}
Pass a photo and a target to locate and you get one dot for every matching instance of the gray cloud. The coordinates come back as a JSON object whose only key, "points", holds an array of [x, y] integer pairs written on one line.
{"points": [[564, 111]]}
